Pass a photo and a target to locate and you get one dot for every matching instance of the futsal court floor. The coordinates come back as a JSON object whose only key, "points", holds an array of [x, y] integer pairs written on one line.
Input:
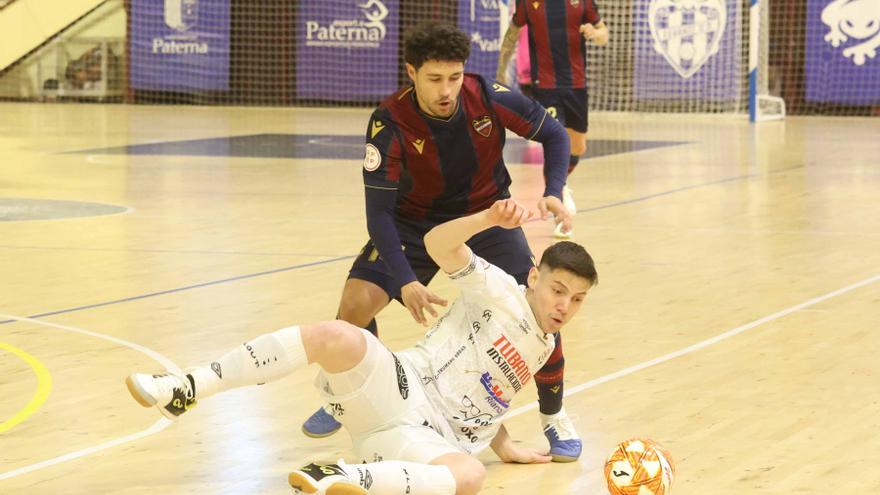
{"points": [[736, 320]]}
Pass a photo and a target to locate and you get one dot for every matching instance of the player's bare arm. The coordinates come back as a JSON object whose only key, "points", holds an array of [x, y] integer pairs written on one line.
{"points": [[446, 242], [508, 44], [597, 33]]}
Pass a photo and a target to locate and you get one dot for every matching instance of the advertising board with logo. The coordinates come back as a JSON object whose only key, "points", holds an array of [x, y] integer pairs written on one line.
{"points": [[482, 21], [843, 37], [179, 45], [687, 49], [346, 50]]}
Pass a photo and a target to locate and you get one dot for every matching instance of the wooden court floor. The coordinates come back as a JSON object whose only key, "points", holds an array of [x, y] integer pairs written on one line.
{"points": [[737, 318]]}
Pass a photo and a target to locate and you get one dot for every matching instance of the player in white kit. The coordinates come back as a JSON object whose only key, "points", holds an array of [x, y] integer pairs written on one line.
{"points": [[419, 414]]}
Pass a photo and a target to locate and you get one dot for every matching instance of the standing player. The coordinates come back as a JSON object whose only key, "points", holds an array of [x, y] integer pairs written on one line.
{"points": [[422, 413], [434, 153], [557, 30]]}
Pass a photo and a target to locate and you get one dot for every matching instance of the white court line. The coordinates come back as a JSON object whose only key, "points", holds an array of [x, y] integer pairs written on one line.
{"points": [[158, 426], [163, 423], [700, 345]]}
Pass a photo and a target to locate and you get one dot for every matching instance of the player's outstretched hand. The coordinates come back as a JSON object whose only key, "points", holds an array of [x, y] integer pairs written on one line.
{"points": [[509, 451], [512, 452], [417, 298], [509, 214], [551, 205]]}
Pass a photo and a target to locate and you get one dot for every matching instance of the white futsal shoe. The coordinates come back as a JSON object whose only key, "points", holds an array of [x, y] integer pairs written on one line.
{"points": [[568, 200], [565, 444], [171, 394], [324, 479]]}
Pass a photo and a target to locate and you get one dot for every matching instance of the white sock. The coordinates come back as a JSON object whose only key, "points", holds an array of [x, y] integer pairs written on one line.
{"points": [[397, 477], [261, 360]]}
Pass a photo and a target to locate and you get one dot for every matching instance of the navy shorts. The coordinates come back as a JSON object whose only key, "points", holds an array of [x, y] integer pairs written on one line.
{"points": [[568, 106], [506, 249]]}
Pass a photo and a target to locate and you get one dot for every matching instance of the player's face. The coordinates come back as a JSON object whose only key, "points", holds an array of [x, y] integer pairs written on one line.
{"points": [[437, 86], [555, 296]]}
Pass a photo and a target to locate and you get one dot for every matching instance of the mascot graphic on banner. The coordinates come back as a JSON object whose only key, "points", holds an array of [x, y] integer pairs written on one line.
{"points": [[181, 15], [687, 32], [347, 32], [858, 19], [375, 12]]}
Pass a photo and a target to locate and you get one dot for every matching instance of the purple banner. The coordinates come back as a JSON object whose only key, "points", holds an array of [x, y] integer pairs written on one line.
{"points": [[481, 20], [346, 50], [686, 52], [179, 45], [842, 41]]}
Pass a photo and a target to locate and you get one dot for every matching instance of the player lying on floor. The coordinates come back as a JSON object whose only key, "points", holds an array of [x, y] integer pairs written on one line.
{"points": [[422, 413]]}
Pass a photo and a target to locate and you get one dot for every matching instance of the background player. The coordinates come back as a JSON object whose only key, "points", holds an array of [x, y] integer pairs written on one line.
{"points": [[425, 411], [434, 153], [556, 32]]}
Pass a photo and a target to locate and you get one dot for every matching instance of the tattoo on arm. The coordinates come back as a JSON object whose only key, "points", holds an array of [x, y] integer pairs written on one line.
{"points": [[507, 47]]}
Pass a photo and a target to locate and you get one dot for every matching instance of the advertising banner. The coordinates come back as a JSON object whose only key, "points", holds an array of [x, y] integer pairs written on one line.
{"points": [[179, 45], [346, 50], [482, 21], [843, 38], [687, 50]]}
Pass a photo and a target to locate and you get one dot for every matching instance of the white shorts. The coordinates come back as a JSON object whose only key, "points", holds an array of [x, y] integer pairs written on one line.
{"points": [[382, 404]]}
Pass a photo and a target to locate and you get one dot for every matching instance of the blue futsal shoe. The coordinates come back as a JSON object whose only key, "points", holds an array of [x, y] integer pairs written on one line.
{"points": [[321, 424], [565, 445]]}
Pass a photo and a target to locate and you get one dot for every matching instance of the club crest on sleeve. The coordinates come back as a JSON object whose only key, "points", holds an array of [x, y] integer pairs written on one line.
{"points": [[483, 125], [372, 158]]}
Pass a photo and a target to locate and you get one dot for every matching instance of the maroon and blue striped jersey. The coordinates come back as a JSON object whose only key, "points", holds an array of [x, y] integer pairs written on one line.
{"points": [[556, 45], [447, 168]]}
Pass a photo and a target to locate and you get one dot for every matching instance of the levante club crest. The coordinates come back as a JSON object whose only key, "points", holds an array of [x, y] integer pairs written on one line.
{"points": [[687, 32], [483, 125]]}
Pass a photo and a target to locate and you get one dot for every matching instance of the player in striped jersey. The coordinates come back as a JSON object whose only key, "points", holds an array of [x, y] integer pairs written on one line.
{"points": [[557, 30], [434, 153]]}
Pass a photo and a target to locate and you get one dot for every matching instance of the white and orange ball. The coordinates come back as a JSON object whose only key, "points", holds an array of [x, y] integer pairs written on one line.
{"points": [[639, 467]]}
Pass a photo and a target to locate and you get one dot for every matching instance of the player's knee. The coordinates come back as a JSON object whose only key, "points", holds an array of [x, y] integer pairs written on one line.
{"points": [[469, 477], [354, 310], [578, 147], [334, 340], [359, 304]]}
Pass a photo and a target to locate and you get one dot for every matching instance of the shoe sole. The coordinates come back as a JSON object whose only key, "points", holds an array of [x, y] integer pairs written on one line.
{"points": [[319, 435], [303, 484], [563, 458], [139, 394]]}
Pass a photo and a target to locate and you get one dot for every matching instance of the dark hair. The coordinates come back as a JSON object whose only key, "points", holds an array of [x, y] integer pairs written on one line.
{"points": [[435, 41], [567, 255]]}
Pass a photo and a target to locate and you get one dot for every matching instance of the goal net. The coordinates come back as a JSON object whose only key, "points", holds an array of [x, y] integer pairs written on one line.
{"points": [[764, 57]]}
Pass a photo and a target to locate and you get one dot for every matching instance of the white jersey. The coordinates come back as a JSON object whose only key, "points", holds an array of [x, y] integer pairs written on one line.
{"points": [[479, 354]]}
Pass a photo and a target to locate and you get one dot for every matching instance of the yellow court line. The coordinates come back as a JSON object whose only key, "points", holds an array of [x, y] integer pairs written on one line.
{"points": [[44, 386]]}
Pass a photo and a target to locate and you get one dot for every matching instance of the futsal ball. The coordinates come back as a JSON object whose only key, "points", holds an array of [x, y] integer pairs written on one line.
{"points": [[639, 467]]}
